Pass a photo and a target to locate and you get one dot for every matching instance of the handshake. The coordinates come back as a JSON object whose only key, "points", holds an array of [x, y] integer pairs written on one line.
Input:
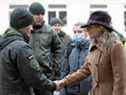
{"points": [[59, 84]]}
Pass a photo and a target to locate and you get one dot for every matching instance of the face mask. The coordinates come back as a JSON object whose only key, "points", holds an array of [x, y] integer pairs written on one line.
{"points": [[78, 36]]}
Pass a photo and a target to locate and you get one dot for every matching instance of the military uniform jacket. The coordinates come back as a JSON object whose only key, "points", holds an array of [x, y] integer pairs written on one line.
{"points": [[47, 50], [19, 70]]}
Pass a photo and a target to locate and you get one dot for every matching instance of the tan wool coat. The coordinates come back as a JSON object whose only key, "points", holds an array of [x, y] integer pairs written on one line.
{"points": [[106, 63]]}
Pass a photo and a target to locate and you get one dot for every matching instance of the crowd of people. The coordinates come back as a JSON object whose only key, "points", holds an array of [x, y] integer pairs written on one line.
{"points": [[41, 59]]}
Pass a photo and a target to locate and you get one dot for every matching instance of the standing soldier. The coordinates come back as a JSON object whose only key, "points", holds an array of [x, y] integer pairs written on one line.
{"points": [[45, 44], [62, 36], [57, 27], [19, 70], [106, 60]]}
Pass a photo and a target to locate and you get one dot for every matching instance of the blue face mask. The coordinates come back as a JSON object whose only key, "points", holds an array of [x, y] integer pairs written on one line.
{"points": [[78, 37]]}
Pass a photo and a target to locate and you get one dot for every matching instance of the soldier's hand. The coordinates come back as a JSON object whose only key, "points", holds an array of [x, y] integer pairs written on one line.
{"points": [[52, 87]]}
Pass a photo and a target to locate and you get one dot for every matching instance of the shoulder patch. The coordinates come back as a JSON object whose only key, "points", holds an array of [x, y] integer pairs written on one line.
{"points": [[30, 57]]}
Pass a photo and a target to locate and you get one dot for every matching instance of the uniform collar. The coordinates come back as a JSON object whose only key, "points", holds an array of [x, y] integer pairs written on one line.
{"points": [[13, 33]]}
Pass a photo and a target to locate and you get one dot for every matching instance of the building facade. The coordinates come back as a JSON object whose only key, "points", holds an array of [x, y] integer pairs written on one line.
{"points": [[74, 11]]}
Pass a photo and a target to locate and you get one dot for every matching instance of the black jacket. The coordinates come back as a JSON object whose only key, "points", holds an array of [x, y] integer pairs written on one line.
{"points": [[19, 69]]}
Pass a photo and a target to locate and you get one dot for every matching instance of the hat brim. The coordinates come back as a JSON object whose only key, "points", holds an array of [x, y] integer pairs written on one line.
{"points": [[89, 24]]}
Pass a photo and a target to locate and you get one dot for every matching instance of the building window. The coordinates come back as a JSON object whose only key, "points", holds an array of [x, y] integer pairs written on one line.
{"points": [[57, 11], [62, 16], [18, 6], [125, 19], [51, 14], [96, 7], [14, 6]]}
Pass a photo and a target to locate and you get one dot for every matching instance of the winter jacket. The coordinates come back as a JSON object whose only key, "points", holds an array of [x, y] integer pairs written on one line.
{"points": [[106, 64], [64, 39], [19, 70], [47, 50], [73, 60]]}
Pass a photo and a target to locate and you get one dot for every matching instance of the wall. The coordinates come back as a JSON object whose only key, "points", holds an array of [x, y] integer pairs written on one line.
{"points": [[4, 15], [77, 11]]}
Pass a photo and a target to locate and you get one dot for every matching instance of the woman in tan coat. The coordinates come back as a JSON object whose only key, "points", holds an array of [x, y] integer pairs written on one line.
{"points": [[105, 61]]}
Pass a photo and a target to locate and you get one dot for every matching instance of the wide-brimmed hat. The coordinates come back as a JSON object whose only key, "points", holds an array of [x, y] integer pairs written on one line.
{"points": [[100, 18]]}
